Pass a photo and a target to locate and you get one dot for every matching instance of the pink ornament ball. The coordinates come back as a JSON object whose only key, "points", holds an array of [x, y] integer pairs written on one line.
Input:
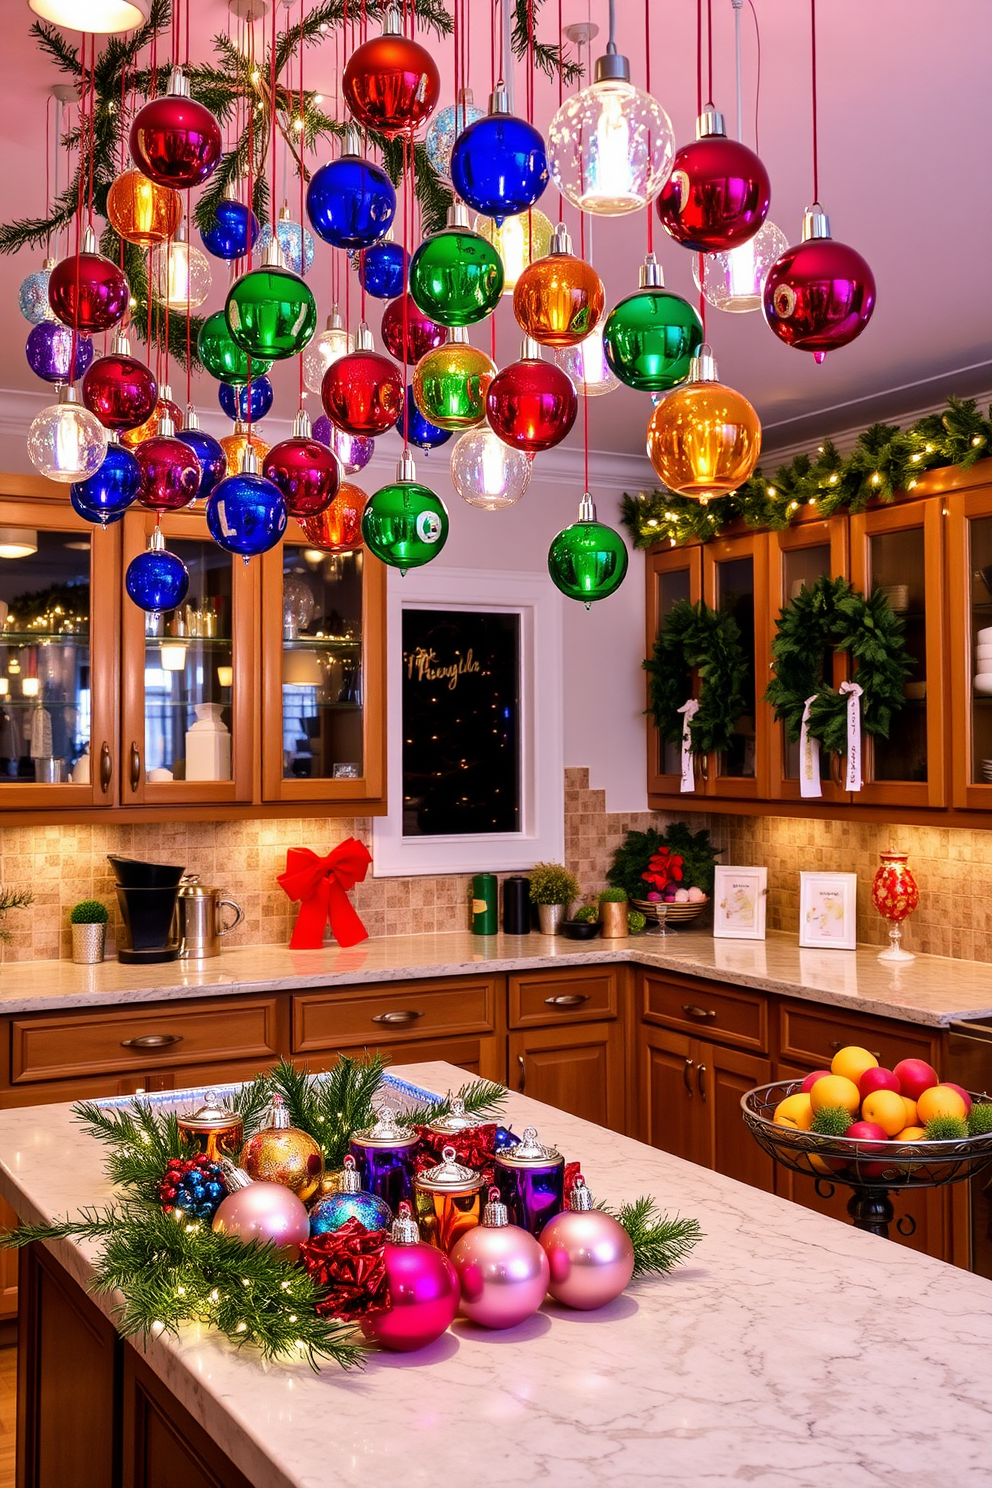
{"points": [[503, 1274], [591, 1258], [423, 1291], [265, 1211]]}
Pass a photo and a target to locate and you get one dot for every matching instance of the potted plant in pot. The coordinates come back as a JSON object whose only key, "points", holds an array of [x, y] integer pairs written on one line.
{"points": [[552, 889], [88, 919], [666, 874], [613, 913]]}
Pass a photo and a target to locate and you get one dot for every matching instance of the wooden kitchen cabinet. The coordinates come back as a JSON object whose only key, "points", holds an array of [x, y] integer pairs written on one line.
{"points": [[577, 1068], [673, 575]]}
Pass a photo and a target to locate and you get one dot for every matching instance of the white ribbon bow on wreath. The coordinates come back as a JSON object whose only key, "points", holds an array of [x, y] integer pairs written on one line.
{"points": [[688, 711], [809, 755], [852, 778]]}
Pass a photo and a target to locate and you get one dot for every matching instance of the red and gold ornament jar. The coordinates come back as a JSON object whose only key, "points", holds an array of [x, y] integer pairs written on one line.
{"points": [[447, 1201], [895, 894]]}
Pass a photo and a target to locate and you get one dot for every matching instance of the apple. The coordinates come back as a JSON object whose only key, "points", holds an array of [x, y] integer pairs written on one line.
{"points": [[868, 1132], [915, 1076], [950, 1085], [811, 1080], [878, 1079]]}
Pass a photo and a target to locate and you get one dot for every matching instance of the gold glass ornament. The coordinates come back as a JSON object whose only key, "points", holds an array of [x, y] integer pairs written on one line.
{"points": [[519, 241], [164, 408], [704, 438], [141, 212], [559, 299], [451, 382], [212, 1130], [235, 444], [280, 1153]]}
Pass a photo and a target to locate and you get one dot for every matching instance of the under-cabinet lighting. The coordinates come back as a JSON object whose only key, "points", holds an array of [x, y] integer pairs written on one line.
{"points": [[17, 542]]}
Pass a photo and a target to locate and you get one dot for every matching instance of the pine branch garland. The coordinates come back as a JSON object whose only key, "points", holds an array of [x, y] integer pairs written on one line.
{"points": [[482, 1098], [660, 1243]]}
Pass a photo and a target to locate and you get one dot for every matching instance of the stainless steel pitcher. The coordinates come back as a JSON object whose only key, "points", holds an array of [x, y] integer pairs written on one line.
{"points": [[198, 919]]}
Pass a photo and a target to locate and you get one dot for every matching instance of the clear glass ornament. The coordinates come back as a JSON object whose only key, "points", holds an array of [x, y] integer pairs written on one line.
{"points": [[518, 241], [66, 442], [734, 280], [610, 147], [333, 342], [298, 605], [486, 472], [587, 366], [446, 128], [32, 297], [294, 240], [180, 274]]}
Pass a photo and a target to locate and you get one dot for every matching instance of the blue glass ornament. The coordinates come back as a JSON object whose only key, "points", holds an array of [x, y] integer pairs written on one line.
{"points": [[499, 165], [32, 297], [209, 452], [106, 496], [49, 352], [420, 431], [237, 404], [157, 580], [233, 232], [246, 514], [446, 128], [382, 270], [330, 1213], [294, 240], [350, 201]]}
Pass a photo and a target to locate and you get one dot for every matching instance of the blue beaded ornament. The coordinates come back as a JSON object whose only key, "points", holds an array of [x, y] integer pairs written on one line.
{"points": [[156, 580], [106, 496], [350, 1202], [499, 164], [294, 240], [233, 232], [350, 201], [209, 452], [237, 404], [420, 431], [446, 128], [32, 297], [246, 514], [194, 1185], [382, 270]]}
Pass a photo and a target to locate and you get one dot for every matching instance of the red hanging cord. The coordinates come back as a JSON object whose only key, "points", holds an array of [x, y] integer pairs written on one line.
{"points": [[709, 47], [272, 111], [647, 85], [699, 57], [407, 204], [303, 148], [189, 312], [816, 143]]}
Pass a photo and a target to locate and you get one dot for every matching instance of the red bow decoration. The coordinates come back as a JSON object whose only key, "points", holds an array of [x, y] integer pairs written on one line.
{"points": [[321, 886], [350, 1262]]}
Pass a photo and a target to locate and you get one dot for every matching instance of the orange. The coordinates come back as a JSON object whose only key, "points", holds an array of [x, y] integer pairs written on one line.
{"points": [[796, 1111], [852, 1061], [910, 1110], [835, 1090], [939, 1100], [910, 1134], [885, 1108]]}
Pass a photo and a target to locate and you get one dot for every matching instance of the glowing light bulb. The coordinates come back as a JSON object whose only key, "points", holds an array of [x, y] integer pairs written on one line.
{"points": [[30, 686], [180, 273], [587, 366], [734, 280], [333, 342], [518, 241]]}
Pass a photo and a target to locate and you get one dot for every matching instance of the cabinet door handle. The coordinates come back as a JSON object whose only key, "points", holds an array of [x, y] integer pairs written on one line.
{"points": [[692, 1011], [523, 1073], [838, 1045], [687, 1077], [701, 1080], [106, 767], [135, 765], [403, 1015], [152, 1041], [567, 999]]}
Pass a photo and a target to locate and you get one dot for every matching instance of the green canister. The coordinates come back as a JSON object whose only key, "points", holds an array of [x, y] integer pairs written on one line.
{"points": [[485, 899]]}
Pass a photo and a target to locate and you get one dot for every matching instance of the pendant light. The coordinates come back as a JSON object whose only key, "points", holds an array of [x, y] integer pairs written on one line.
{"points": [[588, 560], [651, 336], [704, 438], [99, 17]]}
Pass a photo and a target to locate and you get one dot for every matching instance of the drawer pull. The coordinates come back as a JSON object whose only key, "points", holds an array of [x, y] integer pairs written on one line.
{"points": [[692, 1011], [152, 1041], [404, 1015], [687, 1077], [567, 999], [701, 1078], [838, 1045]]}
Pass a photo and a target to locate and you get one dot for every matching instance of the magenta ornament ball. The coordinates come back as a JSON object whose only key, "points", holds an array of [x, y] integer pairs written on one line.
{"points": [[423, 1291], [591, 1258], [819, 295], [265, 1211], [503, 1274]]}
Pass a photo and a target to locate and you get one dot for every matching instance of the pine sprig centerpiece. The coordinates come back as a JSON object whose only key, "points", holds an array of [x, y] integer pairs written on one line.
{"points": [[660, 1243]]}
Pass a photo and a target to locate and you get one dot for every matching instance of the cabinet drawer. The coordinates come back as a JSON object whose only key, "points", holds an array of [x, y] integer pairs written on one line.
{"points": [[815, 1037], [105, 1042], [731, 1014], [553, 997], [407, 1010]]}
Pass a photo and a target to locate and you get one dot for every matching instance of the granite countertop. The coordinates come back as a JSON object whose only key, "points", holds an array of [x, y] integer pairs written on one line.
{"points": [[791, 1351], [931, 990]]}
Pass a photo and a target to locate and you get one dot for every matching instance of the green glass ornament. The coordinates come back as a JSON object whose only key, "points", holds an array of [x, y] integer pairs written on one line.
{"points": [[456, 277], [405, 524], [651, 337], [587, 561], [271, 312], [221, 355]]}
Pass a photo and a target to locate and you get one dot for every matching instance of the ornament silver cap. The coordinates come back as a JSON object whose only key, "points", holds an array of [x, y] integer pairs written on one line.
{"points": [[458, 336], [351, 140], [530, 350], [156, 541], [272, 257], [449, 1175], [165, 392], [613, 67], [651, 275], [211, 1113], [529, 1152], [166, 426], [88, 244], [278, 1117], [404, 1229], [458, 215], [392, 22], [587, 513], [457, 1119], [179, 236], [499, 99], [496, 1214], [334, 321], [230, 192], [302, 427], [579, 1197], [816, 223], [709, 123], [249, 466], [235, 1178], [363, 338], [702, 367], [67, 393], [561, 240], [48, 264], [192, 419], [284, 213], [465, 98], [349, 1181], [122, 346], [385, 1131], [406, 469], [178, 84]]}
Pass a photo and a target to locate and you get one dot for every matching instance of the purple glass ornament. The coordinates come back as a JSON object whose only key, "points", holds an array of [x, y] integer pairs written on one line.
{"points": [[383, 1156], [353, 450], [531, 1182], [49, 352]]}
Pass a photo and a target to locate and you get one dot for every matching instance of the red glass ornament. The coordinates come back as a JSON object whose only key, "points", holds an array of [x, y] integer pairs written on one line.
{"points": [[339, 528], [362, 393], [120, 390], [819, 295], [88, 293], [531, 405], [175, 141], [422, 333], [170, 474], [306, 472], [391, 84], [718, 194]]}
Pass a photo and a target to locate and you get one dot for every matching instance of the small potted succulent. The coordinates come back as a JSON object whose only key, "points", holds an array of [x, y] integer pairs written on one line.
{"points": [[552, 889], [613, 913], [88, 919]]}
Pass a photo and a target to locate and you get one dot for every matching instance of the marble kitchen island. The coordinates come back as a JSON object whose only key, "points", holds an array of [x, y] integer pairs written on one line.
{"points": [[791, 1350]]}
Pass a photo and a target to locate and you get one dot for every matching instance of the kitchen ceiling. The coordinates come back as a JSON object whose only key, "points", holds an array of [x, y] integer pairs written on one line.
{"points": [[904, 142]]}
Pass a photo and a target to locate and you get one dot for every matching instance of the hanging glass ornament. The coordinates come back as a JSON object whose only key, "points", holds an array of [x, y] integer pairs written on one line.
{"points": [[651, 337], [409, 342], [351, 202], [49, 352], [246, 514], [704, 438], [157, 580], [363, 393], [587, 561], [272, 313], [66, 442], [106, 496], [382, 270], [236, 443], [519, 241], [422, 1288], [456, 277], [303, 470], [531, 404], [281, 1153], [333, 342], [349, 1202], [451, 383], [295, 243], [170, 471], [718, 193], [119, 389], [222, 356], [819, 295], [587, 366], [338, 529], [233, 230], [248, 401], [164, 408], [174, 140], [32, 297], [179, 273], [610, 146], [498, 164], [208, 450], [405, 524], [141, 212], [559, 299], [417, 429], [486, 472], [734, 280], [354, 451], [86, 291], [445, 129], [391, 84]]}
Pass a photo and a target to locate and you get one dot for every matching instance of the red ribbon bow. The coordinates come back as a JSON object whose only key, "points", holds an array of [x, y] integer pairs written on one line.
{"points": [[351, 1263], [321, 886]]}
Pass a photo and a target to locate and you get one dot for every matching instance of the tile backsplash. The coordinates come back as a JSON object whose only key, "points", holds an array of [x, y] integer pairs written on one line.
{"points": [[63, 864]]}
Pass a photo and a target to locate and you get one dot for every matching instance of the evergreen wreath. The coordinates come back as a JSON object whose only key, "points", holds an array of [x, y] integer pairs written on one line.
{"points": [[696, 638], [833, 616]]}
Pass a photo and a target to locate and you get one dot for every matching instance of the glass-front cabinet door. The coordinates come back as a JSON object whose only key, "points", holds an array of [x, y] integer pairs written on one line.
{"points": [[735, 573], [188, 714], [323, 674], [58, 658], [969, 539], [673, 575]]}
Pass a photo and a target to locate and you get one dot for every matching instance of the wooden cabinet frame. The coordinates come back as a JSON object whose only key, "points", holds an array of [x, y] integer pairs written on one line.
{"points": [[753, 545], [962, 508], [670, 560]]}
